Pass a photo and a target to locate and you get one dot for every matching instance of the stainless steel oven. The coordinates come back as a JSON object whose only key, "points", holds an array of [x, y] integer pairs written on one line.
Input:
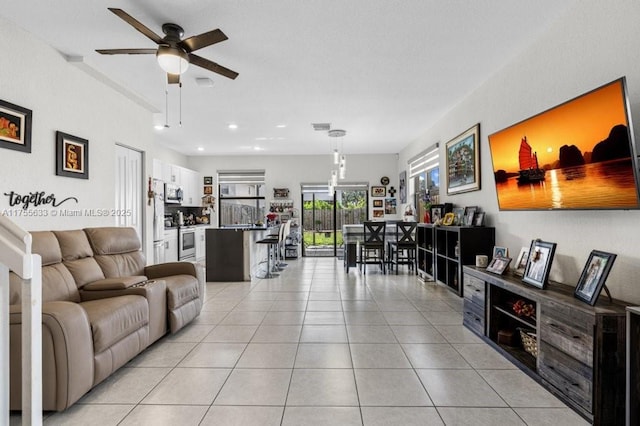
{"points": [[187, 243]]}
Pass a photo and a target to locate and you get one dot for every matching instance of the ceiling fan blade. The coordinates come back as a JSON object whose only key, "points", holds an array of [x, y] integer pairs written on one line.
{"points": [[173, 78], [202, 40], [136, 24], [212, 66], [127, 51]]}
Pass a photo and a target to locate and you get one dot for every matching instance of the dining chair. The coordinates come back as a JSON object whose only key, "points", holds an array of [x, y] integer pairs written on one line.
{"points": [[402, 250], [372, 249]]}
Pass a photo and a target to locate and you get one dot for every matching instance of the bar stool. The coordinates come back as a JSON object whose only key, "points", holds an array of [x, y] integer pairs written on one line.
{"points": [[272, 243]]}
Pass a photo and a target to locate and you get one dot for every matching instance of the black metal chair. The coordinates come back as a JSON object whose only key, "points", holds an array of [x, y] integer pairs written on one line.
{"points": [[372, 249], [403, 250]]}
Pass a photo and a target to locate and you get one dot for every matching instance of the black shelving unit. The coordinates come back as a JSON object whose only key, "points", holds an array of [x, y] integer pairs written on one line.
{"points": [[426, 253], [456, 246]]}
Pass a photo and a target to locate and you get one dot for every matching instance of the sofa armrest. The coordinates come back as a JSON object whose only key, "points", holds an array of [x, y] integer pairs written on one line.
{"points": [[67, 354], [119, 283], [170, 268]]}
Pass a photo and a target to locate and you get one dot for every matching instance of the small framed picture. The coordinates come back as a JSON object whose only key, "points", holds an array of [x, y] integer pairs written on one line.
{"points": [[208, 180], [459, 215], [72, 156], [521, 261], [377, 213], [498, 265], [378, 203], [448, 219], [208, 190], [469, 213], [478, 219], [437, 212], [500, 251], [378, 191], [593, 276], [280, 192], [15, 127], [539, 263]]}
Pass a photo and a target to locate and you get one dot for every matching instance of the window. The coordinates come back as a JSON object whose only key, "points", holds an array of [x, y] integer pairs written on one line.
{"points": [[424, 178], [241, 201]]}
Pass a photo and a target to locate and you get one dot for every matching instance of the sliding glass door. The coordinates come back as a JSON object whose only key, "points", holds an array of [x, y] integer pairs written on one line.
{"points": [[324, 214]]}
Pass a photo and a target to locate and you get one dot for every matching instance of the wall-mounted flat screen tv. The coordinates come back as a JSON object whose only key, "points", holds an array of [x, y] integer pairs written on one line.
{"points": [[577, 155]]}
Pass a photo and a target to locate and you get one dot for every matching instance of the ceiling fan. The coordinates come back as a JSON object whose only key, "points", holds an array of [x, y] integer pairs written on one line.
{"points": [[173, 53]]}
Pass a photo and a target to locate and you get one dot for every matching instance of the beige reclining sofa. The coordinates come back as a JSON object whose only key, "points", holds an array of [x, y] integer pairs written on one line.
{"points": [[101, 307]]}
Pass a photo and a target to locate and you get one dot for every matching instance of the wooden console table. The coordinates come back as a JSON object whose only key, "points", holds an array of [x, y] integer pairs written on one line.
{"points": [[581, 349]]}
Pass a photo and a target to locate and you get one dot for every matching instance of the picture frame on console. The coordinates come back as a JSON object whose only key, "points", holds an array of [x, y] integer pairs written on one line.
{"points": [[499, 264], [521, 261], [463, 161], [594, 275], [539, 263]]}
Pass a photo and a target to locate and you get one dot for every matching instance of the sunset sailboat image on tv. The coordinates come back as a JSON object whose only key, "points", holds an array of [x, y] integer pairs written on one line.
{"points": [[577, 155], [530, 171]]}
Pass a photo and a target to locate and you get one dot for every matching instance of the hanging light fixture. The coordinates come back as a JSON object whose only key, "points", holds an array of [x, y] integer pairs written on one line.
{"points": [[339, 158]]}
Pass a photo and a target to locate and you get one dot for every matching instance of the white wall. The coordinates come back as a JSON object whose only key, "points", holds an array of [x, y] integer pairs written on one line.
{"points": [[291, 171], [593, 44], [63, 97]]}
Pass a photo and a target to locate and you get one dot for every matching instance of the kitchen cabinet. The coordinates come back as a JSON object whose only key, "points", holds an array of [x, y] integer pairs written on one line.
{"points": [[171, 173], [191, 191], [171, 245]]}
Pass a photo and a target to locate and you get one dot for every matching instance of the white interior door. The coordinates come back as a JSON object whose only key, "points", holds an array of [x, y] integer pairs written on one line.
{"points": [[129, 189]]}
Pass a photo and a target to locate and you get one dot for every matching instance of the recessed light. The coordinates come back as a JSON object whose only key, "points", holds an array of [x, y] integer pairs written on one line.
{"points": [[200, 148], [233, 126], [281, 126], [159, 126], [257, 148]]}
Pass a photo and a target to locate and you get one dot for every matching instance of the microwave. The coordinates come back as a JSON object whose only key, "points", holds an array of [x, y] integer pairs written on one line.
{"points": [[172, 194]]}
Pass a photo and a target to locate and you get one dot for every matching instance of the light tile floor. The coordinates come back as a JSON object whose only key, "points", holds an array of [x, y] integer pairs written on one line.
{"points": [[316, 346]]}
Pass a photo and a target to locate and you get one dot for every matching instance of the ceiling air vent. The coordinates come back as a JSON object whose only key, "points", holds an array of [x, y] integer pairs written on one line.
{"points": [[321, 127]]}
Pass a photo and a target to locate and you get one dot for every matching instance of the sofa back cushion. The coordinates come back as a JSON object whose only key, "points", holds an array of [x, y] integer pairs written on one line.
{"points": [[77, 256], [57, 281], [117, 251]]}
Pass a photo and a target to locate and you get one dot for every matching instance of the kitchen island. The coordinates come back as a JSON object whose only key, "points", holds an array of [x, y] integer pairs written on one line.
{"points": [[233, 253]]}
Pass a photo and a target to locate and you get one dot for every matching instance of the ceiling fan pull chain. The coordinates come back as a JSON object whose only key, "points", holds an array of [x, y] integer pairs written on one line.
{"points": [[180, 104]]}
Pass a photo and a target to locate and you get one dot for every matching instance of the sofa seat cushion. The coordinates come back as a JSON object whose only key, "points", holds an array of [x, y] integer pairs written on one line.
{"points": [[181, 289], [114, 318]]}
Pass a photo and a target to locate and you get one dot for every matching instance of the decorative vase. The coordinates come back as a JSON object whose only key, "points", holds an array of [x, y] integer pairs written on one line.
{"points": [[427, 217]]}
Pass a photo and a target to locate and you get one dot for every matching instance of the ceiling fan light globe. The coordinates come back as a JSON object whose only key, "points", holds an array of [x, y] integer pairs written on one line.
{"points": [[172, 60]]}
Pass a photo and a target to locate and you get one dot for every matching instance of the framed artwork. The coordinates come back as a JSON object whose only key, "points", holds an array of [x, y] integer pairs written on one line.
{"points": [[539, 263], [478, 219], [208, 190], [500, 251], [402, 191], [15, 127], [498, 265], [378, 203], [448, 219], [377, 213], [437, 212], [390, 206], [378, 191], [280, 192], [463, 162], [521, 261], [72, 156], [208, 180], [469, 213], [593, 276]]}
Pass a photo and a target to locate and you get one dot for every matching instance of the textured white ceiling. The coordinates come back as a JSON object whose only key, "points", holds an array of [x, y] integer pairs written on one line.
{"points": [[382, 70]]}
